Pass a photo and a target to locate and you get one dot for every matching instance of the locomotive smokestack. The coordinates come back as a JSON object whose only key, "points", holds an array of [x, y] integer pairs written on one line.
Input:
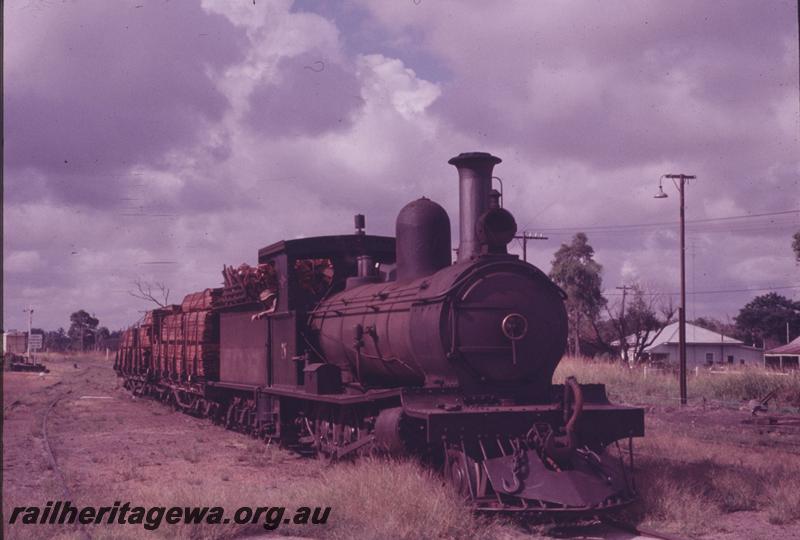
{"points": [[475, 184]]}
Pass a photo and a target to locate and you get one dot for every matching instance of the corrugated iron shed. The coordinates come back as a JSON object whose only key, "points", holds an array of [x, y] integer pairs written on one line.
{"points": [[790, 349]]}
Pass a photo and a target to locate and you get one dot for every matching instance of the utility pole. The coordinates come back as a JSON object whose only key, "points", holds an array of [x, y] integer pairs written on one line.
{"points": [[29, 311], [624, 337], [682, 319], [525, 236], [694, 283], [680, 182], [624, 289]]}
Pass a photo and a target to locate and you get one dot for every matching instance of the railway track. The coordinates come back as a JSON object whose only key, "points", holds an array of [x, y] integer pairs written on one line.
{"points": [[609, 529], [53, 462], [640, 531], [51, 458], [48, 446]]}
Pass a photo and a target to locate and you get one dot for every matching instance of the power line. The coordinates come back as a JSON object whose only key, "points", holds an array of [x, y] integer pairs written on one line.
{"points": [[715, 291], [722, 227], [668, 223]]}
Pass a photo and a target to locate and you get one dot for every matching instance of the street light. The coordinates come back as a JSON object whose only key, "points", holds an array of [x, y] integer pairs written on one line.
{"points": [[660, 194], [680, 182]]}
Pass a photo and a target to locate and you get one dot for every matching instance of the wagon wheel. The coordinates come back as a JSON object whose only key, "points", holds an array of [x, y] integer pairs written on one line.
{"points": [[356, 432], [460, 473], [322, 427]]}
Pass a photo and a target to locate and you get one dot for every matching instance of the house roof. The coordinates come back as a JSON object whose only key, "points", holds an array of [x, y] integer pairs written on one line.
{"points": [[694, 335], [793, 347]]}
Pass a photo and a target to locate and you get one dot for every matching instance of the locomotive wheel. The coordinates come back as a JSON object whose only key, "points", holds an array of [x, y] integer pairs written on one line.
{"points": [[459, 471], [388, 432]]}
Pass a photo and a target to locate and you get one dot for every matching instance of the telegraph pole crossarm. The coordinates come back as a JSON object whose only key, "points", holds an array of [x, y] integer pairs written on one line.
{"points": [[525, 236]]}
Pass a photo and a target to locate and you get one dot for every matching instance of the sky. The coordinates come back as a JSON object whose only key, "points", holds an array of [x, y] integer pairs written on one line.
{"points": [[158, 140]]}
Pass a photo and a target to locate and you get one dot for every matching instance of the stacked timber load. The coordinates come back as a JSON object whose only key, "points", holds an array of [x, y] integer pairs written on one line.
{"points": [[135, 350], [201, 326], [159, 350], [125, 350], [144, 358], [189, 338], [201, 301], [244, 285]]}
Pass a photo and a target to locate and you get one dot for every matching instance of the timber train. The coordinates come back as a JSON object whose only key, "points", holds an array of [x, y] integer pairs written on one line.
{"points": [[353, 344]]}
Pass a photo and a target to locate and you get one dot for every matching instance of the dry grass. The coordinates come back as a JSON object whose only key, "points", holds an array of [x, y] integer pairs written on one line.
{"points": [[260, 454], [784, 502], [687, 485], [94, 356], [373, 499], [689, 479], [191, 455], [632, 385], [694, 469], [392, 499]]}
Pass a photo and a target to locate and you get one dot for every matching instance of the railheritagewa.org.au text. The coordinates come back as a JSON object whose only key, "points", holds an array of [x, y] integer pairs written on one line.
{"points": [[153, 517]]}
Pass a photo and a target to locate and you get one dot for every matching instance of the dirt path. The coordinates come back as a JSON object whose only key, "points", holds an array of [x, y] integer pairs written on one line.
{"points": [[112, 447]]}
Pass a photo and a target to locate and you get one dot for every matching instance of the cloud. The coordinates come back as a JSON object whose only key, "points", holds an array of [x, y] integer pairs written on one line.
{"points": [[176, 208], [306, 96], [389, 79], [608, 83], [22, 261], [160, 142], [96, 87]]}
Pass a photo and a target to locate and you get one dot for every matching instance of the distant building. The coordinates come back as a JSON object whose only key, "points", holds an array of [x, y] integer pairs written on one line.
{"points": [[703, 348], [784, 357], [15, 342]]}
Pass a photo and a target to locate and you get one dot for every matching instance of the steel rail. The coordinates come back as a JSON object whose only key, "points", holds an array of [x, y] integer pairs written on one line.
{"points": [[639, 530], [51, 458]]}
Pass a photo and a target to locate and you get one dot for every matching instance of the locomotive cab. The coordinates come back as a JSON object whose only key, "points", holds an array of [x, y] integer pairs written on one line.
{"points": [[307, 270]]}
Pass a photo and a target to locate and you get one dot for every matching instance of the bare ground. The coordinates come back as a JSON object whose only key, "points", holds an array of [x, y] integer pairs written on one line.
{"points": [[110, 446]]}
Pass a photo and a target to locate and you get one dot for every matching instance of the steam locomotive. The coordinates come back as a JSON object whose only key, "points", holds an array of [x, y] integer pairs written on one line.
{"points": [[355, 344]]}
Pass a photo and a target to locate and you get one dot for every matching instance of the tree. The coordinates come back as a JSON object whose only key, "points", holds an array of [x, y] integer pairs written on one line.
{"points": [[637, 323], [56, 340], [796, 246], [715, 325], [81, 329], [102, 337], [763, 320], [576, 271], [157, 292]]}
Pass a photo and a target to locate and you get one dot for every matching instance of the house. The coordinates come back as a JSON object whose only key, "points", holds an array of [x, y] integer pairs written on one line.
{"points": [[704, 348], [15, 342], [784, 357]]}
